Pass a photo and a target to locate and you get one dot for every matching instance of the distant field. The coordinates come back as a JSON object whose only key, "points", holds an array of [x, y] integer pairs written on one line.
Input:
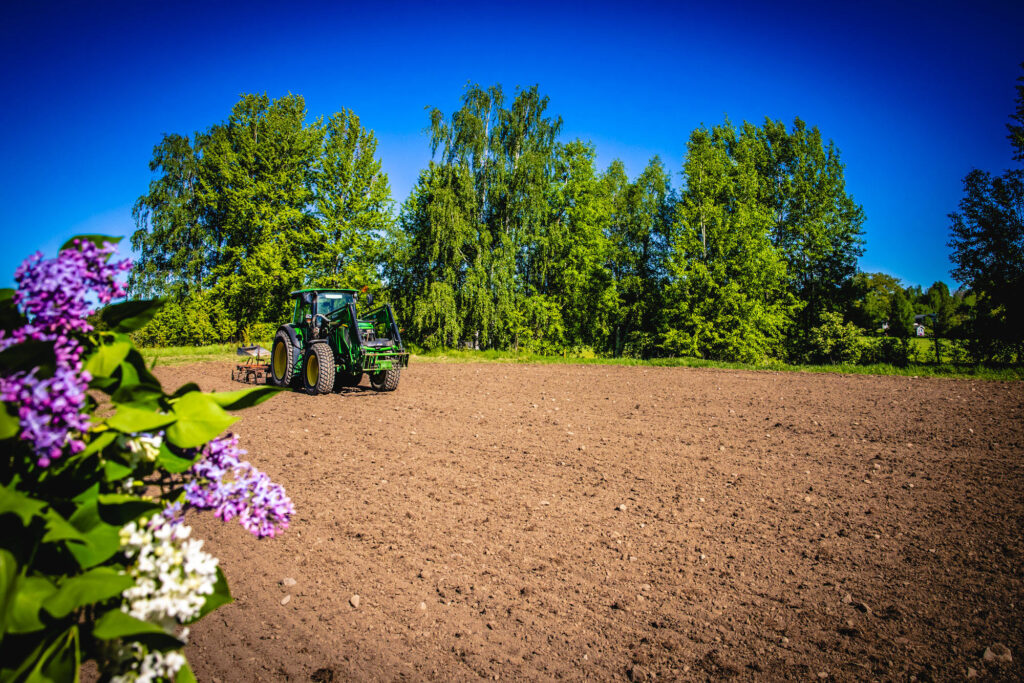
{"points": [[176, 355]]}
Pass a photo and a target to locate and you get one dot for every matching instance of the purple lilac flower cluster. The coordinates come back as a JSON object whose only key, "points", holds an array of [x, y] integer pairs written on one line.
{"points": [[234, 488], [54, 293], [55, 296]]}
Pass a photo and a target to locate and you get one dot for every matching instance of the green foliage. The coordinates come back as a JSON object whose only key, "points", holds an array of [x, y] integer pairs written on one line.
{"points": [[513, 240], [988, 255], [253, 208], [987, 238], [1016, 128], [834, 341], [202, 318], [814, 223], [901, 315], [62, 569], [481, 227], [871, 296], [728, 295], [895, 351], [640, 227]]}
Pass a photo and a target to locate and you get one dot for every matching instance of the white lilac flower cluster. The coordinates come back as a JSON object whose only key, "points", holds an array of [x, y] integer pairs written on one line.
{"points": [[172, 577], [142, 448], [149, 667], [172, 574]]}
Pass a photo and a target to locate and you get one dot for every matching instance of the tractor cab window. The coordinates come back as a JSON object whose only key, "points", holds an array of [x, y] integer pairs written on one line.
{"points": [[329, 302], [303, 307]]}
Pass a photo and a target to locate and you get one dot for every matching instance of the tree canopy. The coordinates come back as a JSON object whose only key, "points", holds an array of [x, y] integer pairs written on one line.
{"points": [[511, 237], [987, 238], [259, 205]]}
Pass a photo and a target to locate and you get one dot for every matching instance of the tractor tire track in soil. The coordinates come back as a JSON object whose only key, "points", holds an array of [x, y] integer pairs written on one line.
{"points": [[546, 521]]}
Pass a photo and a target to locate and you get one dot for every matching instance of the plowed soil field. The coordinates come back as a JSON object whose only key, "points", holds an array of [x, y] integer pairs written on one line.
{"points": [[541, 521]]}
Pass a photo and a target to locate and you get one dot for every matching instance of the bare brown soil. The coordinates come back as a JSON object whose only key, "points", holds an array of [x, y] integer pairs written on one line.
{"points": [[540, 522]]}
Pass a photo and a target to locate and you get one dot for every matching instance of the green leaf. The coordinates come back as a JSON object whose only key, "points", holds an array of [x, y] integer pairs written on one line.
{"points": [[115, 471], [60, 529], [221, 595], [98, 240], [139, 363], [173, 463], [87, 496], [132, 389], [31, 593], [244, 398], [199, 419], [106, 358], [8, 587], [9, 424], [10, 317], [95, 585], [102, 540], [129, 316], [185, 675], [98, 443], [120, 508], [14, 501], [27, 355], [60, 662], [116, 624], [132, 420]]}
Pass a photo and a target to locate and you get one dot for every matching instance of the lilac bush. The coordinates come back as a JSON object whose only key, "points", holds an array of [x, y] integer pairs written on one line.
{"points": [[70, 483]]}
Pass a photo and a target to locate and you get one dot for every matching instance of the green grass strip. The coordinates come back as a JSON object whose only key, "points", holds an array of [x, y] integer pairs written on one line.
{"points": [[179, 355]]}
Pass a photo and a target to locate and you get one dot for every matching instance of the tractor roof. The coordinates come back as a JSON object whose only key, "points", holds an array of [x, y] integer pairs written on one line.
{"points": [[320, 291]]}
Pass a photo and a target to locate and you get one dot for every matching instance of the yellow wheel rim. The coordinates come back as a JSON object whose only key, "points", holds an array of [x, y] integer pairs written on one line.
{"points": [[280, 361], [312, 370]]}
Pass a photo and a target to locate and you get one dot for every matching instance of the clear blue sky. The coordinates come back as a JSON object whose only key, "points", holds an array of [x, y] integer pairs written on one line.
{"points": [[915, 94]]}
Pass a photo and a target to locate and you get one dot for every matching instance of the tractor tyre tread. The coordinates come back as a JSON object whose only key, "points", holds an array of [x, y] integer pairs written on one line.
{"points": [[385, 380], [320, 352], [289, 379]]}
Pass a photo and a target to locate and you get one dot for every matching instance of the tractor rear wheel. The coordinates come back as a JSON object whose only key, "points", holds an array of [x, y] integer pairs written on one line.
{"points": [[282, 360], [385, 380], [318, 372]]}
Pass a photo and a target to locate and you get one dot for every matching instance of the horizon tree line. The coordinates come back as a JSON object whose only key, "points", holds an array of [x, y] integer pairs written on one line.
{"points": [[512, 238]]}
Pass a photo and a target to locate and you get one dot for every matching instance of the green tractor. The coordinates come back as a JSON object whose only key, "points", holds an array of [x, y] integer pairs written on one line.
{"points": [[327, 346]]}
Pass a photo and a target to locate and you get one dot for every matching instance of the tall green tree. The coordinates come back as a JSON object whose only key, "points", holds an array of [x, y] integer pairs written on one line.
{"points": [[815, 223], [728, 297], [258, 205], [987, 238], [482, 214], [170, 214], [353, 207], [988, 255], [578, 280], [258, 171], [901, 315], [640, 234]]}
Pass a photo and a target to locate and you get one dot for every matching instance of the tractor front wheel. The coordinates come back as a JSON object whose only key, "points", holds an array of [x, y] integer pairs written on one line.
{"points": [[385, 380], [318, 373], [282, 360]]}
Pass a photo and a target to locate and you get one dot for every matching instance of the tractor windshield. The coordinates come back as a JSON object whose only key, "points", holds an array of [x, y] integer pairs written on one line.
{"points": [[329, 302]]}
